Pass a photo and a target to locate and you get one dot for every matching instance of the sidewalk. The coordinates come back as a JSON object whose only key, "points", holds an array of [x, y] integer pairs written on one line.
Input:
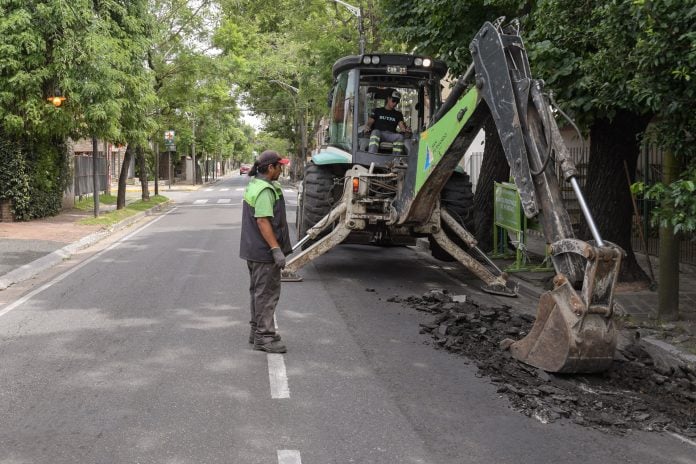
{"points": [[28, 248]]}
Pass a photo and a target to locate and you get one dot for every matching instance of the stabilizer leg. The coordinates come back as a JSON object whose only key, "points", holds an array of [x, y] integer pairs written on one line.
{"points": [[493, 284], [335, 237]]}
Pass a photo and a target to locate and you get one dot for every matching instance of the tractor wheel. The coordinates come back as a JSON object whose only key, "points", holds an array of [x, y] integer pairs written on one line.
{"points": [[457, 198], [319, 195]]}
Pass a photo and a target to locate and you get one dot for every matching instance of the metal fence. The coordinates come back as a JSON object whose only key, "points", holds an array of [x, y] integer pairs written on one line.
{"points": [[84, 183], [648, 170]]}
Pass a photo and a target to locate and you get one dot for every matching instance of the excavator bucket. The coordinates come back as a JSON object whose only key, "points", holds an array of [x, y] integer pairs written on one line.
{"points": [[575, 333]]}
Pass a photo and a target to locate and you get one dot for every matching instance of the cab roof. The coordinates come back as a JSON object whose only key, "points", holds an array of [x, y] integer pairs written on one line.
{"points": [[438, 68]]}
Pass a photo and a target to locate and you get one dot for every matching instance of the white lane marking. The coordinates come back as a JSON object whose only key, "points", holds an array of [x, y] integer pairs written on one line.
{"points": [[275, 321], [278, 376], [224, 200], [289, 457], [200, 202], [208, 190], [684, 439], [224, 189], [240, 189], [30, 295]]}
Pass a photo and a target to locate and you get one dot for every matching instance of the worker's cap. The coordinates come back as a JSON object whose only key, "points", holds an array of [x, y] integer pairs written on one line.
{"points": [[269, 157], [395, 95]]}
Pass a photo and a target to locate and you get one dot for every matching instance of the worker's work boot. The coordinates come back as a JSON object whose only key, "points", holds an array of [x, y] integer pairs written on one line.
{"points": [[270, 347], [276, 336]]}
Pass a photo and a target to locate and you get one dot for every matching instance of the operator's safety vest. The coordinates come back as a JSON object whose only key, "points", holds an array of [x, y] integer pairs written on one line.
{"points": [[252, 245]]}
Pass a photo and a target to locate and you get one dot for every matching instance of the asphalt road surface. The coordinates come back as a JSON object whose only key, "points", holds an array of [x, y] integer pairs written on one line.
{"points": [[136, 352]]}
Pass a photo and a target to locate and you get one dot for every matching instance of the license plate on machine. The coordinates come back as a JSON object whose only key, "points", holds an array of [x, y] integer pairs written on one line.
{"points": [[396, 69]]}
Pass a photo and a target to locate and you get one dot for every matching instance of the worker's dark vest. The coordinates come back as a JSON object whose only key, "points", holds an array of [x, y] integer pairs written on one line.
{"points": [[252, 246]]}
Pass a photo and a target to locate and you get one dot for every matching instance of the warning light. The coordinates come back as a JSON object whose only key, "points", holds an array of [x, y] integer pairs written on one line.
{"points": [[356, 184]]}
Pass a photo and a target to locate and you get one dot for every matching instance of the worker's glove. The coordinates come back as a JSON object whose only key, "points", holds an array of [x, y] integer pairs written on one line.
{"points": [[278, 257]]}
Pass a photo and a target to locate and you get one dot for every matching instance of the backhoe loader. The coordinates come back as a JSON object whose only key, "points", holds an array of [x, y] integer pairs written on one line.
{"points": [[395, 196]]}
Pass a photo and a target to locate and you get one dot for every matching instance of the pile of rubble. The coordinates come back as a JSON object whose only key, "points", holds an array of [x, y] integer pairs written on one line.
{"points": [[636, 393]]}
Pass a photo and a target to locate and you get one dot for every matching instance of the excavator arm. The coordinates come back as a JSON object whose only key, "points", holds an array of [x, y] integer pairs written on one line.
{"points": [[574, 329]]}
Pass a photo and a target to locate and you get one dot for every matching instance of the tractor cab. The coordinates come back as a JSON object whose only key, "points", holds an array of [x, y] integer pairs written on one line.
{"points": [[362, 84]]}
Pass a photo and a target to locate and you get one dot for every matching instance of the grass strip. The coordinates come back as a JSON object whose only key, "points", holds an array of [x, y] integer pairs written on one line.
{"points": [[87, 203], [110, 218]]}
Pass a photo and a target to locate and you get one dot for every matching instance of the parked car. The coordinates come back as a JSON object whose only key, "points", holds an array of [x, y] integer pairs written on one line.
{"points": [[244, 169]]}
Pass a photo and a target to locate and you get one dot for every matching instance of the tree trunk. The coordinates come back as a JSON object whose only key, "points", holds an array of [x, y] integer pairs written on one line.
{"points": [[494, 168], [123, 177], [668, 283], [140, 153], [608, 197]]}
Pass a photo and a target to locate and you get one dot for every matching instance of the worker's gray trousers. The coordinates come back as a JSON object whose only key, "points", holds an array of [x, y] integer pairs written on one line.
{"points": [[264, 290], [378, 136]]}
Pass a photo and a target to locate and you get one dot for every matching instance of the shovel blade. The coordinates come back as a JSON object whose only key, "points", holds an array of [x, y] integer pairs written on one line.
{"points": [[562, 341]]}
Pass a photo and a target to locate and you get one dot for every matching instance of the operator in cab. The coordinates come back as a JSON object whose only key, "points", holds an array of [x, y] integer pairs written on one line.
{"points": [[383, 123]]}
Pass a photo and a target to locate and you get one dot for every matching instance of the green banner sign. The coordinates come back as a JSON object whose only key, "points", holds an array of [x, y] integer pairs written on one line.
{"points": [[507, 209]]}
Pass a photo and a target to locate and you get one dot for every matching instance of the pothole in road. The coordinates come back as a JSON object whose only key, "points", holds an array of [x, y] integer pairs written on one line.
{"points": [[636, 393]]}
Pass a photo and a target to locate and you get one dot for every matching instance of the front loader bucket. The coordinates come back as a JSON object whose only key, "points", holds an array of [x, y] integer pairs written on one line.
{"points": [[566, 339]]}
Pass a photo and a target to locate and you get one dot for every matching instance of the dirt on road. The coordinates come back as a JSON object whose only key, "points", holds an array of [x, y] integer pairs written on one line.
{"points": [[638, 392]]}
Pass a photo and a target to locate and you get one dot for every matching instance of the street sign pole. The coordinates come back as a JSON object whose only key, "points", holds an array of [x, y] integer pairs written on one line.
{"points": [[169, 145]]}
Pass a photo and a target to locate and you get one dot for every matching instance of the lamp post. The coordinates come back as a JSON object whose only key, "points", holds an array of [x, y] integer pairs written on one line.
{"points": [[357, 12], [192, 116], [302, 123]]}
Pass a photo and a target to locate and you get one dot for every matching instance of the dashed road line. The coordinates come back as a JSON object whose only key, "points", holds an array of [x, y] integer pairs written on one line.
{"points": [[278, 376], [200, 202], [208, 190], [289, 457], [222, 201], [224, 189]]}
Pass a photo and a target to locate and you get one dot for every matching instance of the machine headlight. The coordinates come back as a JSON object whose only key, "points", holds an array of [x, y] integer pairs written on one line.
{"points": [[427, 62], [375, 60], [418, 61], [367, 59]]}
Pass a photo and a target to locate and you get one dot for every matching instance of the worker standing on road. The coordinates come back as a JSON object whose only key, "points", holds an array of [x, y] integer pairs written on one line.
{"points": [[264, 243]]}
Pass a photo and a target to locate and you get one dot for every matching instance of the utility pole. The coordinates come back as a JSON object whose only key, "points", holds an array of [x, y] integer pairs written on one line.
{"points": [[157, 168], [303, 136], [193, 146], [95, 174], [107, 166]]}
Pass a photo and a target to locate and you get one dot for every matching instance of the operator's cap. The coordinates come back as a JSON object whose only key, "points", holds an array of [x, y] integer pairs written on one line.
{"points": [[395, 95], [269, 157]]}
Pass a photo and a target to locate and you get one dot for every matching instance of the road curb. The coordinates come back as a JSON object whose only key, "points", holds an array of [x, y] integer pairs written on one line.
{"points": [[29, 270]]}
